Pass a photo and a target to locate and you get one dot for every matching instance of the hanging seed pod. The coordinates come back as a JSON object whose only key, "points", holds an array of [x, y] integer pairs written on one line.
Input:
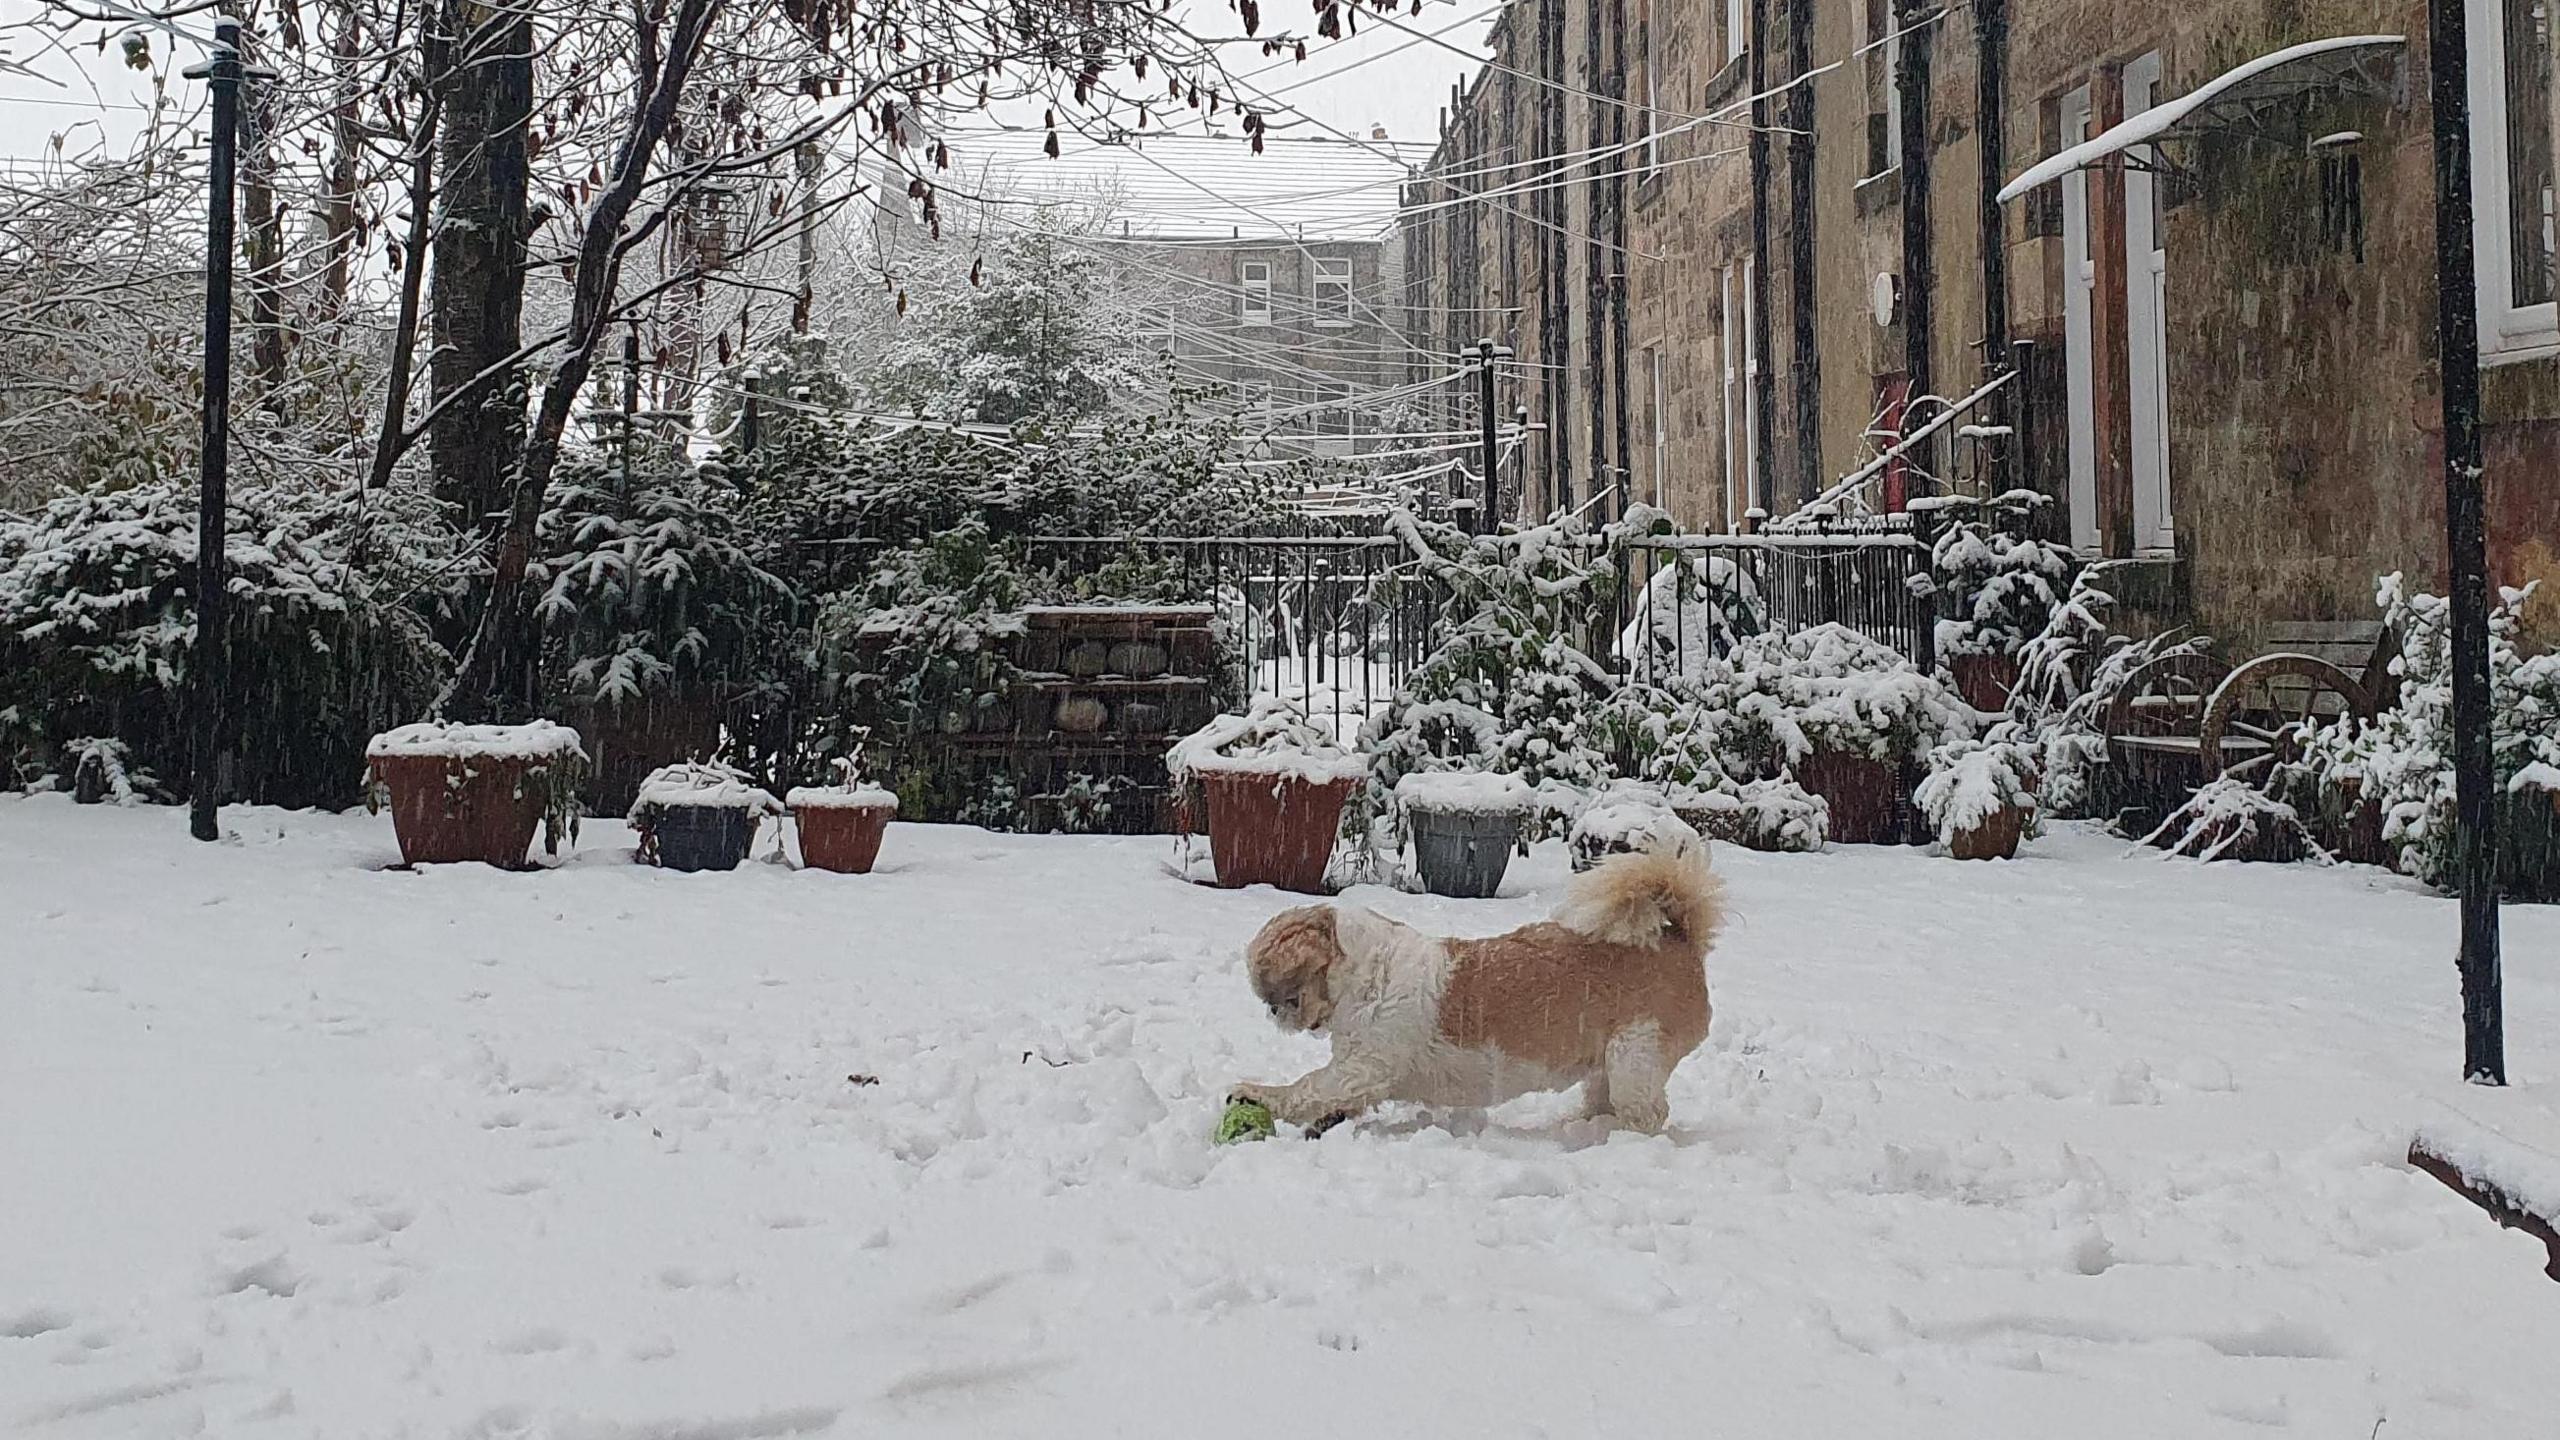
{"points": [[1302, 52], [1138, 67], [977, 270], [720, 342], [1251, 14], [1051, 149], [902, 304]]}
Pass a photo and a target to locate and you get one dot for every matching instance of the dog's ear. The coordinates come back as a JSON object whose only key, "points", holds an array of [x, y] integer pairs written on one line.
{"points": [[1290, 960]]}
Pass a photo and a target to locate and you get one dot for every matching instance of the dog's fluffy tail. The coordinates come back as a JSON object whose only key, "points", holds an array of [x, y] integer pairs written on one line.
{"points": [[1647, 898]]}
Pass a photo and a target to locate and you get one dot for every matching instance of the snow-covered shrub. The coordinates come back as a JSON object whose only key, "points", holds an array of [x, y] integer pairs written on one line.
{"points": [[1776, 815], [1625, 815], [102, 770], [915, 653], [1271, 736], [707, 784], [1779, 698], [651, 589], [2232, 819], [1692, 610], [1511, 680], [331, 597], [2068, 676], [2006, 587], [1969, 783], [2403, 760]]}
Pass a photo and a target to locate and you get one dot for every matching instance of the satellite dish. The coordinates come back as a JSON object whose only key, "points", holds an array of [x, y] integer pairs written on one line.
{"points": [[1884, 296]]}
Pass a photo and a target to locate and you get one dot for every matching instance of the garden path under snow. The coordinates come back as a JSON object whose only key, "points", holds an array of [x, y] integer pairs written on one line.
{"points": [[2082, 1144]]}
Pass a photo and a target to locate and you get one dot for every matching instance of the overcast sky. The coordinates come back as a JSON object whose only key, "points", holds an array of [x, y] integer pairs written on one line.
{"points": [[1350, 84]]}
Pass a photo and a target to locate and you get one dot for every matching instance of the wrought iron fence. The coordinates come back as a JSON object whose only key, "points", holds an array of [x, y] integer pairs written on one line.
{"points": [[1688, 597]]}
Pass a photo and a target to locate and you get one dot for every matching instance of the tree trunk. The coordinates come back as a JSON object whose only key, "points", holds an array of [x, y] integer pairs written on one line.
{"points": [[498, 673], [486, 100]]}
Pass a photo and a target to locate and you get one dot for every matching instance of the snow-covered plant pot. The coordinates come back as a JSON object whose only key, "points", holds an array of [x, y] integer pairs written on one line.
{"points": [[475, 792], [1465, 825], [1272, 787], [1980, 799], [841, 825], [1625, 818], [1773, 815], [2230, 820], [1840, 712], [698, 816]]}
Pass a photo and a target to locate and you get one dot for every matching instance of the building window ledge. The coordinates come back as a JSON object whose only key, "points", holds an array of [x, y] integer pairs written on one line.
{"points": [[1728, 82], [1879, 192]]}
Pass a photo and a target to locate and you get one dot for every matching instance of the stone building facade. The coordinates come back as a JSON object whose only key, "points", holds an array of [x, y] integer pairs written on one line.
{"points": [[2229, 379]]}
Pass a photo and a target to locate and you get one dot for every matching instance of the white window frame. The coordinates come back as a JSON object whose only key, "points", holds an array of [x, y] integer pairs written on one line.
{"points": [[1253, 287], [1330, 272], [1649, 156], [1737, 25], [1741, 413], [1661, 431], [1891, 40], [2508, 332]]}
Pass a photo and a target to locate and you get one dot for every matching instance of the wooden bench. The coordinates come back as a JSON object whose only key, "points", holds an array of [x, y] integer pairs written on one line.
{"points": [[2185, 719]]}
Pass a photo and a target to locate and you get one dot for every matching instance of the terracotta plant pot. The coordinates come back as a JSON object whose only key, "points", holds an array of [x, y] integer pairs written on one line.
{"points": [[841, 830], [450, 809], [1865, 796], [1985, 681], [1273, 829], [1996, 838]]}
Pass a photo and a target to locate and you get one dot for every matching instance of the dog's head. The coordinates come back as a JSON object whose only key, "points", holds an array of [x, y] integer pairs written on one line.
{"points": [[1291, 963]]}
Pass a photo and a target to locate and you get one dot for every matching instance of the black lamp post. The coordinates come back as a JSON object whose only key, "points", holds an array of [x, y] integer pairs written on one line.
{"points": [[222, 73]]}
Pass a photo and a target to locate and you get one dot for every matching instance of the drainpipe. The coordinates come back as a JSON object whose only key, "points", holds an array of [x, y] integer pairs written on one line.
{"points": [[1909, 16], [1991, 124], [1764, 383]]}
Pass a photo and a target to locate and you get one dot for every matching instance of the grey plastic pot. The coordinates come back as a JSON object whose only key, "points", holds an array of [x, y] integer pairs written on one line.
{"points": [[1463, 855]]}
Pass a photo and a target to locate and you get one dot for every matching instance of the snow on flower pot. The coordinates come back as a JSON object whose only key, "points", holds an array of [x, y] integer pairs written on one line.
{"points": [[1465, 825], [1272, 787], [840, 826], [475, 792], [698, 817], [1863, 795], [1980, 799], [1274, 825], [1625, 817]]}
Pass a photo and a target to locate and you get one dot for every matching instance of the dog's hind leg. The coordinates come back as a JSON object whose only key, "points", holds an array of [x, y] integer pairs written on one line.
{"points": [[1634, 1077]]}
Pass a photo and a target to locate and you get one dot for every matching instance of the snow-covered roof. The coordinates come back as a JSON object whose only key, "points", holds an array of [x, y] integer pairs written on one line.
{"points": [[1199, 187], [2281, 74]]}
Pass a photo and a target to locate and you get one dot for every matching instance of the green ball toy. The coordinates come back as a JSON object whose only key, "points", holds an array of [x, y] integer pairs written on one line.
{"points": [[1245, 1120]]}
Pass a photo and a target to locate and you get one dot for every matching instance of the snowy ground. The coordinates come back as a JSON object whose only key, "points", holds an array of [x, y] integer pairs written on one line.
{"points": [[2076, 1146]]}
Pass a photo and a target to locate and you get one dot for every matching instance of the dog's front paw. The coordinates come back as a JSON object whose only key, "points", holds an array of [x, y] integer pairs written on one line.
{"points": [[1248, 1093]]}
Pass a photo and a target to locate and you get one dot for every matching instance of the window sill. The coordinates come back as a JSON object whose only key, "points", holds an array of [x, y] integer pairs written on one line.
{"points": [[1728, 82], [1879, 192], [2519, 353], [1649, 188], [1331, 324]]}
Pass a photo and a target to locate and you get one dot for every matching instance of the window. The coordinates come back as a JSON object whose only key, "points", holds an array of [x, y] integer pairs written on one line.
{"points": [[1737, 28], [1253, 282], [1661, 431], [1649, 156], [1253, 401], [1155, 330], [1335, 397], [2511, 177], [1883, 56], [1741, 412], [1332, 293]]}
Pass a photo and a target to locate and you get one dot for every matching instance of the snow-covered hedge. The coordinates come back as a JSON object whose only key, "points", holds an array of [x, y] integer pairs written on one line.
{"points": [[1777, 815], [332, 598], [1780, 698]]}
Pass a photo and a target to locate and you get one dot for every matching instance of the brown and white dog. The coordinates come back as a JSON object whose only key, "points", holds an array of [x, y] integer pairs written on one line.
{"points": [[1611, 994]]}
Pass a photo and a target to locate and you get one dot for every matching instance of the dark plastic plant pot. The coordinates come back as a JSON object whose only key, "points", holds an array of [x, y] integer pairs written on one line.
{"points": [[842, 838], [701, 837], [1462, 854], [1865, 796], [447, 810], [1267, 829]]}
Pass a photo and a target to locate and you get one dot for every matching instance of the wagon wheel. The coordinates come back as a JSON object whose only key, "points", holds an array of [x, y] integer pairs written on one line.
{"points": [[2164, 697], [2263, 709]]}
